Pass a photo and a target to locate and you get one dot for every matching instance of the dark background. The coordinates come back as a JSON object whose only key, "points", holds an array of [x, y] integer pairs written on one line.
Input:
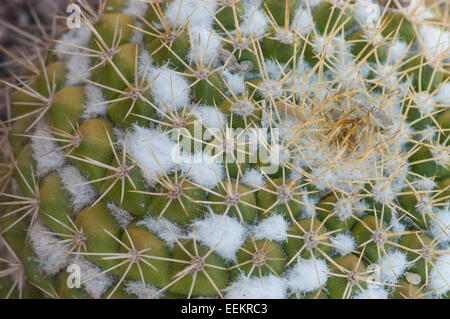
{"points": [[35, 17]]}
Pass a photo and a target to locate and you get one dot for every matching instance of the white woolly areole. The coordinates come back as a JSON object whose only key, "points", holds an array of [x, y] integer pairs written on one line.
{"points": [[383, 192], [47, 159], [51, 255], [97, 285], [436, 41], [253, 178], [311, 3], [424, 103], [271, 88], [302, 21], [440, 225], [164, 229], [307, 275], [202, 169], [272, 287], [228, 233], [443, 94], [372, 293], [386, 73], [77, 67], [69, 49], [441, 154], [169, 89], [134, 287], [343, 208], [80, 196], [210, 116], [178, 12], [95, 102], [274, 227], [322, 177], [397, 50], [393, 266], [397, 227], [71, 39], [234, 82], [345, 242], [254, 22], [367, 12], [150, 148], [440, 279], [135, 7], [309, 209], [121, 216], [205, 43]]}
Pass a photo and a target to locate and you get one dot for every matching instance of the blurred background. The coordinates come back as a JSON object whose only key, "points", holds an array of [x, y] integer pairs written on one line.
{"points": [[23, 25]]}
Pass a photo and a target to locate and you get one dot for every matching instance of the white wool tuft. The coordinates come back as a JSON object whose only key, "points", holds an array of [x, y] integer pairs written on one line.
{"points": [[443, 94], [179, 11], [436, 41], [169, 89], [209, 41], [144, 64], [74, 37], [398, 48], [146, 145], [307, 275], [164, 229], [142, 292], [372, 293], [254, 22], [121, 216], [271, 88], [308, 210], [272, 287], [80, 196], [322, 177], [311, 3], [360, 208], [386, 73], [135, 7], [94, 95], [274, 227], [441, 154], [79, 66], [97, 286], [228, 233], [346, 243], [398, 225], [367, 12], [383, 192], [343, 208], [202, 168], [393, 266], [52, 256], [424, 103], [253, 178], [44, 152], [75, 63], [440, 225], [234, 81], [210, 116], [440, 279], [302, 21], [273, 68]]}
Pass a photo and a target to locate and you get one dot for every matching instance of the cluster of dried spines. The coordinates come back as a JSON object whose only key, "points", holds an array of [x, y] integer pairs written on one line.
{"points": [[345, 104]]}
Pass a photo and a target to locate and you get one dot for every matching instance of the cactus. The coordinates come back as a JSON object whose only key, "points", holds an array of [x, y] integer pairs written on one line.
{"points": [[231, 149]]}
